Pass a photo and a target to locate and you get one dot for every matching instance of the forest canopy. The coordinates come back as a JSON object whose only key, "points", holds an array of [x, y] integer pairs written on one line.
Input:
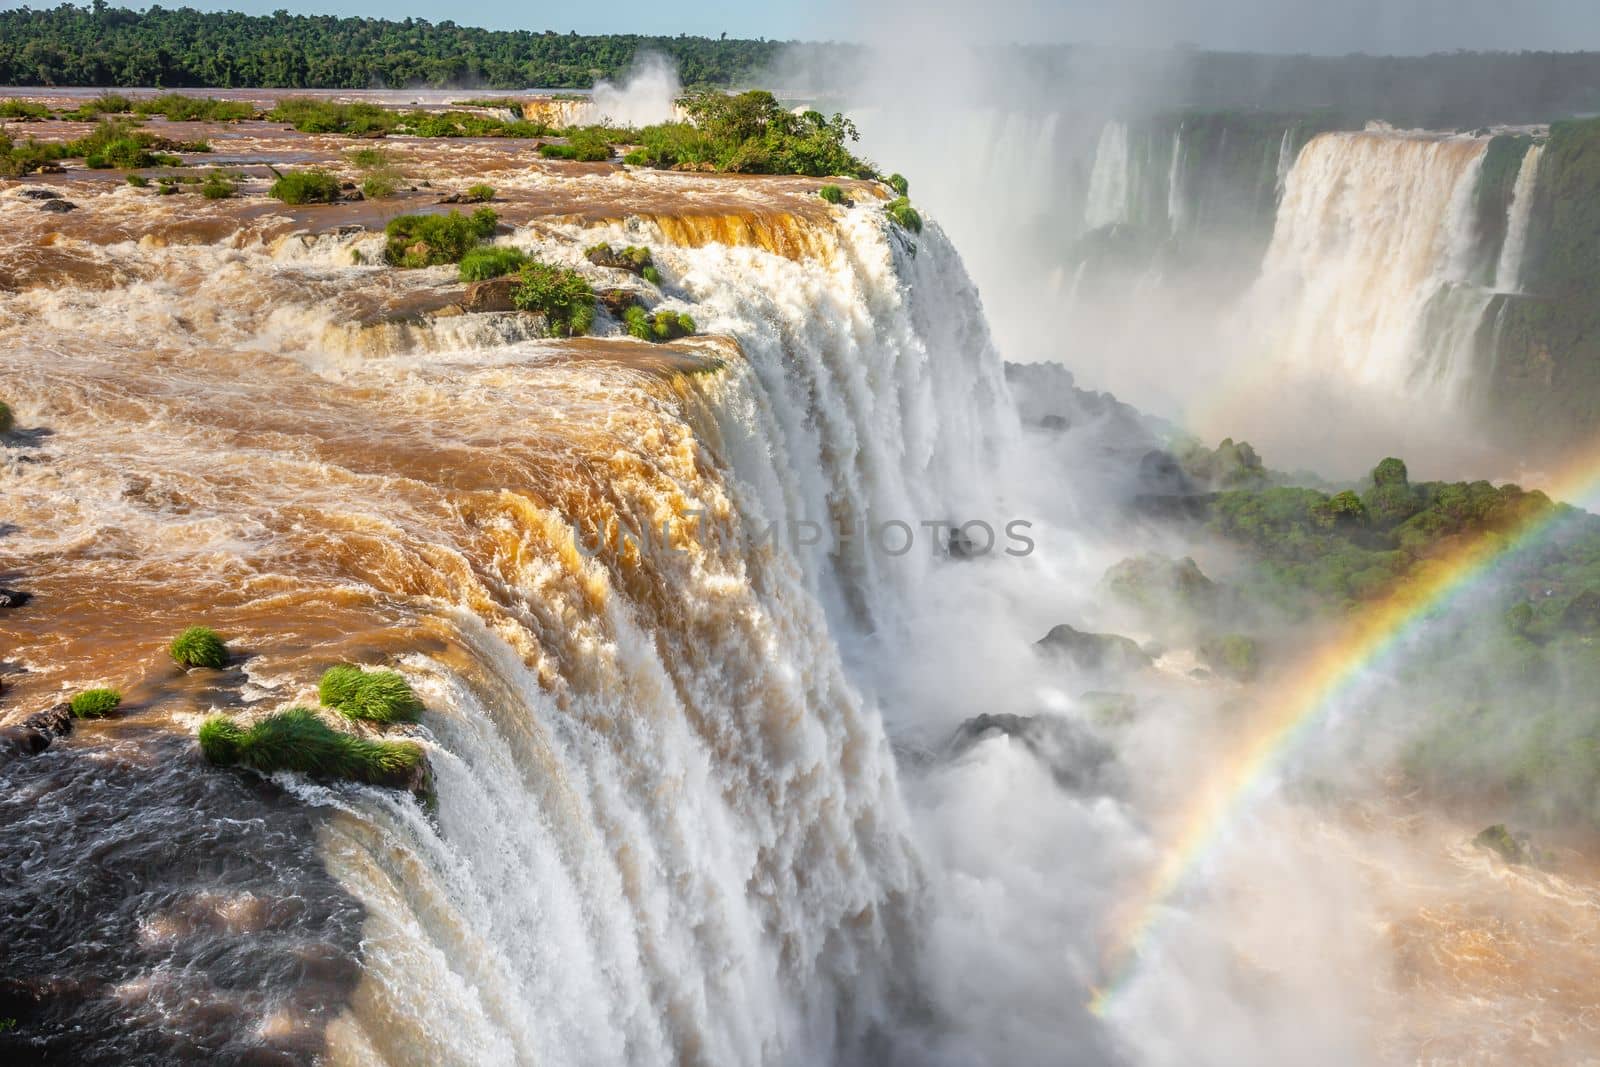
{"points": [[178, 48]]}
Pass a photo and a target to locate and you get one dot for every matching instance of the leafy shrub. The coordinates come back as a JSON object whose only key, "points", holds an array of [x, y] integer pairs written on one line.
{"points": [[1390, 472], [25, 110], [367, 158], [379, 186], [662, 326], [752, 133], [8, 421], [898, 183], [296, 740], [176, 107], [430, 240], [492, 261], [305, 187], [218, 187], [138, 181], [324, 116], [904, 215], [95, 703], [832, 194], [198, 646], [651, 275], [109, 104], [480, 193], [562, 295], [376, 696], [586, 145]]}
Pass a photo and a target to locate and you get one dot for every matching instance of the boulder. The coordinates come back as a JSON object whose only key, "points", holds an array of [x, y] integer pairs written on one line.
{"points": [[35, 733], [14, 598], [1160, 585], [495, 294], [618, 301], [60, 207], [39, 194], [1500, 841], [1077, 759], [1111, 653]]}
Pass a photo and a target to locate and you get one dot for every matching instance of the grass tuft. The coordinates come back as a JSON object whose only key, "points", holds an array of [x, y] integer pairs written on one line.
{"points": [[95, 703], [491, 261], [297, 740], [305, 187], [375, 696], [198, 646]]}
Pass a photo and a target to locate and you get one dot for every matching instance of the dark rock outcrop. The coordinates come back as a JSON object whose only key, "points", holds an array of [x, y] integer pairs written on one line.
{"points": [[1110, 653], [1513, 848], [39, 194], [35, 733], [14, 598], [58, 206], [1077, 759], [618, 301], [495, 294]]}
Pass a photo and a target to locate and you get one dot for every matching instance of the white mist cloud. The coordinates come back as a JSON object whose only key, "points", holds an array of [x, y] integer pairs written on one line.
{"points": [[646, 95]]}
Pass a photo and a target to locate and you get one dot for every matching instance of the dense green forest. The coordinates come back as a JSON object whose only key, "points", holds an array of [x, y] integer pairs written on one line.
{"points": [[106, 46]]}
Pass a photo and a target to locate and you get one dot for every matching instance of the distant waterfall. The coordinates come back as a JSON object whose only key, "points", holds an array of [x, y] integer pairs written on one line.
{"points": [[1111, 180], [1369, 272], [1508, 274]]}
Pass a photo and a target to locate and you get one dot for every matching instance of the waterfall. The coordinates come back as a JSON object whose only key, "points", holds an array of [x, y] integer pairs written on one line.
{"points": [[668, 826], [1508, 273], [1368, 273], [1111, 180], [1175, 190]]}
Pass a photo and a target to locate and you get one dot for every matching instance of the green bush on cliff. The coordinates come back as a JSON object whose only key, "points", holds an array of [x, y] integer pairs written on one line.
{"points": [[480, 193], [297, 740], [898, 183], [431, 240], [560, 294], [904, 215], [491, 261], [311, 186], [751, 133], [198, 646], [376, 696], [588, 145], [95, 703], [324, 116], [662, 326], [832, 194]]}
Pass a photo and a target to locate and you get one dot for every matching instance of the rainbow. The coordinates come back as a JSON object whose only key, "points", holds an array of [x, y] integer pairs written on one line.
{"points": [[1319, 681]]}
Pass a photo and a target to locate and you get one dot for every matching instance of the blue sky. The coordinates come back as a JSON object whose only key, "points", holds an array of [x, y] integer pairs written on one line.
{"points": [[1326, 26]]}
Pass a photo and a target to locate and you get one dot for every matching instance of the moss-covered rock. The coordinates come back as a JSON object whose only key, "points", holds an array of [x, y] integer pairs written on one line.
{"points": [[1110, 653]]}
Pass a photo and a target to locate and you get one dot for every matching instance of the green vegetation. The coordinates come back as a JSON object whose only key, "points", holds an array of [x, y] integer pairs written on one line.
{"points": [[297, 740], [138, 181], [432, 240], [662, 326], [368, 158], [305, 187], [95, 703], [25, 110], [751, 133], [198, 646], [379, 186], [898, 183], [560, 294], [324, 116], [218, 186], [491, 261], [176, 107], [1314, 552], [904, 215], [8, 421], [375, 696], [588, 144], [480, 193], [1236, 656], [183, 47], [832, 194]]}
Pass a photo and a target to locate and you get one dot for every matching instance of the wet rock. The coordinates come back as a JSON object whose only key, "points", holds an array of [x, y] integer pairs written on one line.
{"points": [[633, 260], [13, 598], [60, 207], [1056, 423], [1078, 760], [618, 301], [35, 733], [1111, 653], [495, 294], [353, 196], [39, 194], [1161, 474], [1509, 847], [350, 229], [1235, 656]]}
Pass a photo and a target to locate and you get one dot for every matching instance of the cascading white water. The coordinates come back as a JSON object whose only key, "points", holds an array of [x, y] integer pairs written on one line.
{"points": [[1111, 180], [1508, 272], [1368, 276], [707, 857], [1175, 191]]}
